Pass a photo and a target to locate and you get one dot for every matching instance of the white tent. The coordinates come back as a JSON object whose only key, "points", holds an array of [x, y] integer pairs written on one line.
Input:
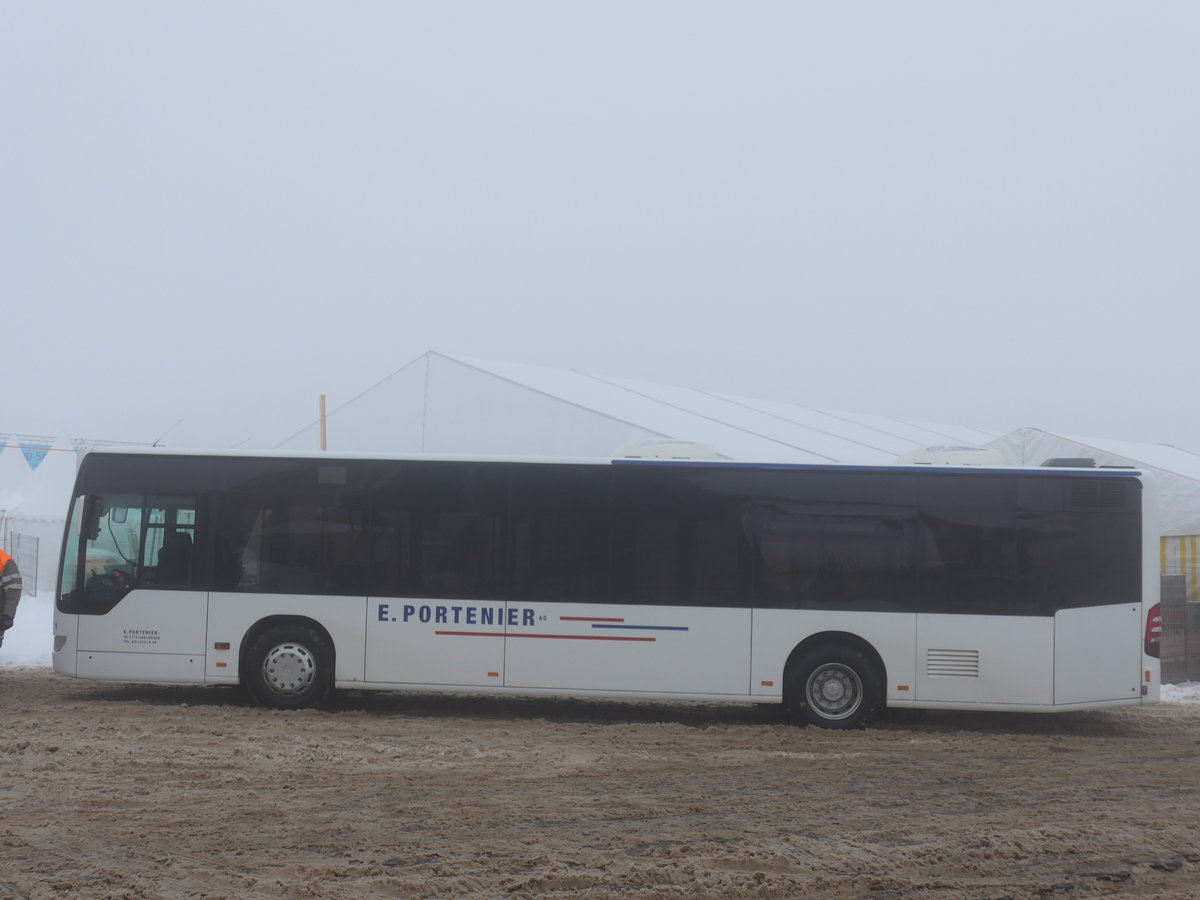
{"points": [[445, 404]]}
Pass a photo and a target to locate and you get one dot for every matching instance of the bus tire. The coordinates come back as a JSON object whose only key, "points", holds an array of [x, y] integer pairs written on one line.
{"points": [[289, 667], [833, 687]]}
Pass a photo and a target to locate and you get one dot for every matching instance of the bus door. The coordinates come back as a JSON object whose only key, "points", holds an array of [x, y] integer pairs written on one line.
{"points": [[135, 565], [436, 607], [435, 642]]}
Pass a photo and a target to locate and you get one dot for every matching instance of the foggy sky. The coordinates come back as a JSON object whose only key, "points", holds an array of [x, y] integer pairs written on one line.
{"points": [[972, 213]]}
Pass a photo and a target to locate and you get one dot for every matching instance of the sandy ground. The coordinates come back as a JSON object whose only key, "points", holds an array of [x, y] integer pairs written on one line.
{"points": [[148, 792]]}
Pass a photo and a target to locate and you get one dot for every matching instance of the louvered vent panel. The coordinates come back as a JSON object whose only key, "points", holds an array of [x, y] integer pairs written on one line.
{"points": [[1096, 494], [952, 663]]}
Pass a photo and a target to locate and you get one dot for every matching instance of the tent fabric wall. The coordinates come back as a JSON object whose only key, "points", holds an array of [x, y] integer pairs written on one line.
{"points": [[436, 404], [1180, 555], [444, 404], [36, 476], [392, 411]]}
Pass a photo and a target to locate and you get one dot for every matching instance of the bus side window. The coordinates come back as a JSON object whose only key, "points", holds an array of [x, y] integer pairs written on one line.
{"points": [[679, 537], [167, 546], [227, 570]]}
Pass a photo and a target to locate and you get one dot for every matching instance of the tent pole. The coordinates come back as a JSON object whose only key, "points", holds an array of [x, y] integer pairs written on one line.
{"points": [[323, 433]]}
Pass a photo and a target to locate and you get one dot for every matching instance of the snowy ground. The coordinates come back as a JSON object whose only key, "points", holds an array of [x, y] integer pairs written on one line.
{"points": [[28, 644]]}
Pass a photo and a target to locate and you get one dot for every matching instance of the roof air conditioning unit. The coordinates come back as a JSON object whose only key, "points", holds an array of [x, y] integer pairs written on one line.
{"points": [[952, 455], [665, 450]]}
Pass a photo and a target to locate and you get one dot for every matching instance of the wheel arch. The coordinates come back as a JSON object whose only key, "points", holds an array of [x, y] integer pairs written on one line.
{"points": [[262, 626], [832, 639]]}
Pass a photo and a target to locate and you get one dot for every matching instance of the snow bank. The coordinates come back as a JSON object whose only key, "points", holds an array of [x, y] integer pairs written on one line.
{"points": [[30, 642], [1181, 693]]}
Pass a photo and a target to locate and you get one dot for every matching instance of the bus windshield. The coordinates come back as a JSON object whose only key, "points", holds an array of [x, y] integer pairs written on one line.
{"points": [[117, 542]]}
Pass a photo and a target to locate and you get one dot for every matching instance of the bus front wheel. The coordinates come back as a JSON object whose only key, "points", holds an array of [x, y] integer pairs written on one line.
{"points": [[833, 687], [289, 667]]}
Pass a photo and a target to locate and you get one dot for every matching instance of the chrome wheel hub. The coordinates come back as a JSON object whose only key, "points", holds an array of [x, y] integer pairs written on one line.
{"points": [[834, 691], [289, 669]]}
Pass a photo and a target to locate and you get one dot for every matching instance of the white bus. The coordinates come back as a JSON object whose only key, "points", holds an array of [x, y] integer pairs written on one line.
{"points": [[834, 590]]}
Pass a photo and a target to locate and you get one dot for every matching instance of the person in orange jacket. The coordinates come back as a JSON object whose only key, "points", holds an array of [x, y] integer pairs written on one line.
{"points": [[10, 587]]}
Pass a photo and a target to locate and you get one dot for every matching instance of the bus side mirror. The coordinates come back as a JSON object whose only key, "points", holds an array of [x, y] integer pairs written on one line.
{"points": [[93, 511]]}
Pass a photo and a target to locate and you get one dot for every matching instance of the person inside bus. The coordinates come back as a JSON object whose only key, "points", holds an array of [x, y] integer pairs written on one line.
{"points": [[10, 585], [175, 558]]}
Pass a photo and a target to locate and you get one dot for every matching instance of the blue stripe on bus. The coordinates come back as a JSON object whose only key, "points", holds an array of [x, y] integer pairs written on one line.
{"points": [[648, 627]]}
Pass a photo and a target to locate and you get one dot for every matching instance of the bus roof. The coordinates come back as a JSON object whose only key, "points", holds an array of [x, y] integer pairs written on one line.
{"points": [[614, 461]]}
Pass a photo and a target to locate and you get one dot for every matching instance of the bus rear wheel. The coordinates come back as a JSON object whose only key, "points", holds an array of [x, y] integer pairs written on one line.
{"points": [[289, 667], [833, 687]]}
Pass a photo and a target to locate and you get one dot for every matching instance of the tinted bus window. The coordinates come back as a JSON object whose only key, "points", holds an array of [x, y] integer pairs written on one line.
{"points": [[1079, 541], [836, 540], [294, 526], [1002, 546], [561, 532], [143, 473], [681, 536], [969, 543], [436, 529]]}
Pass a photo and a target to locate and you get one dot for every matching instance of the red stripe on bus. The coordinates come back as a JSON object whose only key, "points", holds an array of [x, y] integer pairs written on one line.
{"points": [[472, 633], [585, 619]]}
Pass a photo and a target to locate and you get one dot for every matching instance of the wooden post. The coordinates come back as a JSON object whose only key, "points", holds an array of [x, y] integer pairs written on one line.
{"points": [[323, 433]]}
